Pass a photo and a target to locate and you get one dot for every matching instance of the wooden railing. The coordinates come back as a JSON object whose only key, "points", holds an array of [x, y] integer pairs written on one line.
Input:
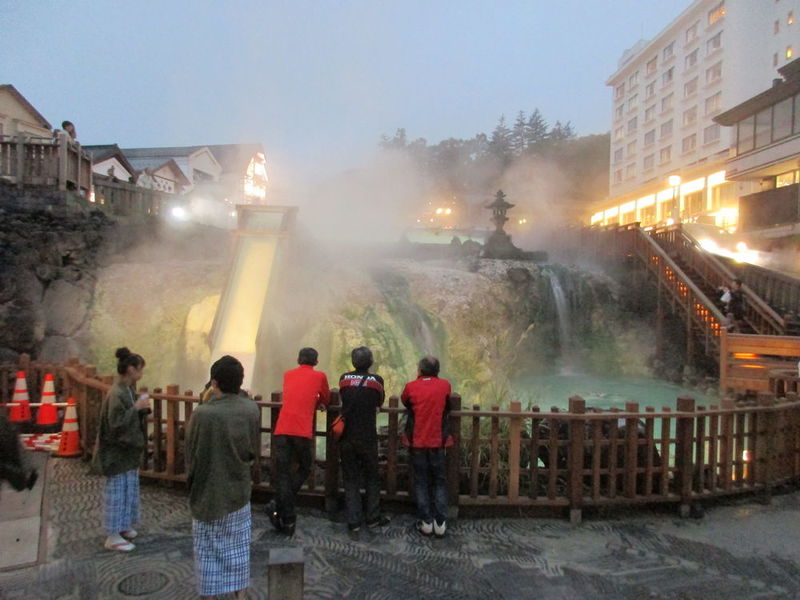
{"points": [[704, 319], [513, 458], [761, 317], [126, 199], [59, 162], [748, 363], [779, 290]]}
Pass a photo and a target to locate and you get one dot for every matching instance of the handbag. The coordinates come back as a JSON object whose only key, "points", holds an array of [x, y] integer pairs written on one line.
{"points": [[337, 425]]}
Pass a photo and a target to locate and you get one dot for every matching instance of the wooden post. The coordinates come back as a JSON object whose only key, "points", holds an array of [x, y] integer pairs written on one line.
{"points": [[683, 453], [475, 453], [494, 441], [723, 361], [332, 457], [514, 434], [20, 166], [631, 450], [172, 430], [285, 573], [392, 440], [577, 432], [63, 160], [765, 445], [274, 412], [453, 458]]}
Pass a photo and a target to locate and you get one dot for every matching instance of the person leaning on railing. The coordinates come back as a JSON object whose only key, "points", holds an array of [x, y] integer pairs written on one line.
{"points": [[119, 448], [427, 435]]}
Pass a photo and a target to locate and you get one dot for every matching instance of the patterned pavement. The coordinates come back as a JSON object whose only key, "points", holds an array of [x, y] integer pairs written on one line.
{"points": [[739, 550]]}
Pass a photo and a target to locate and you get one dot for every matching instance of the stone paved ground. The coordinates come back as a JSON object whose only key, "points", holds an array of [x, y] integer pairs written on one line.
{"points": [[740, 550]]}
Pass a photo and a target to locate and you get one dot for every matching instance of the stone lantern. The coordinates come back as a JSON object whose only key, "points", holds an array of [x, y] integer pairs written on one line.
{"points": [[499, 244]]}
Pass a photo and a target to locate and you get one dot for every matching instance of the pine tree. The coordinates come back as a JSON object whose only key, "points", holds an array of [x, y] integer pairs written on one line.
{"points": [[500, 142], [535, 131], [518, 135]]}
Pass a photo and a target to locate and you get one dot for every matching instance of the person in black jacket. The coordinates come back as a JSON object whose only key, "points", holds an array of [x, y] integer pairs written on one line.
{"points": [[736, 307], [362, 395]]}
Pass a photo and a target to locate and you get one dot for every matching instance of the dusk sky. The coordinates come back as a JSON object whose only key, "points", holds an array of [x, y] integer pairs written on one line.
{"points": [[316, 82]]}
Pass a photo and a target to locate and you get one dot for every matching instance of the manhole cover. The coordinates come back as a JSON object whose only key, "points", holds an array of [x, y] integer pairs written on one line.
{"points": [[141, 584]]}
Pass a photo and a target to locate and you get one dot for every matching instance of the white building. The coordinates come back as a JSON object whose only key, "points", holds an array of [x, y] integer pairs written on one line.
{"points": [[667, 154]]}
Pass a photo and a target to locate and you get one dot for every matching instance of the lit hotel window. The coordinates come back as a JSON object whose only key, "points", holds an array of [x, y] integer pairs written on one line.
{"points": [[716, 13], [790, 18], [789, 52]]}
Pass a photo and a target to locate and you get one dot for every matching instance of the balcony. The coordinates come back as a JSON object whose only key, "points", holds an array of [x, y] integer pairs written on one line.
{"points": [[770, 208]]}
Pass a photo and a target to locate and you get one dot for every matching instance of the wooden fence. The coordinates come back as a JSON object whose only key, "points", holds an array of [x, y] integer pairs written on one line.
{"points": [[569, 460], [58, 162], [127, 199]]}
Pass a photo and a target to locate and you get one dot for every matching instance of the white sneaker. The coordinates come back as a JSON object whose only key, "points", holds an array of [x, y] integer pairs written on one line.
{"points": [[118, 543], [129, 534], [424, 527], [439, 529]]}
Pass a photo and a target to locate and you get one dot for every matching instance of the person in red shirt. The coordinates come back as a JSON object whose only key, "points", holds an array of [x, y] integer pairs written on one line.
{"points": [[426, 400], [304, 390]]}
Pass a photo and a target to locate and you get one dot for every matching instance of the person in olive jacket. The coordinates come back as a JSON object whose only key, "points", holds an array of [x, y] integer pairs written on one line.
{"points": [[222, 444], [120, 444]]}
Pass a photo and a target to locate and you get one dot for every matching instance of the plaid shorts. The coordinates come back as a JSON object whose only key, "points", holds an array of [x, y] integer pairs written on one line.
{"points": [[222, 553], [121, 506]]}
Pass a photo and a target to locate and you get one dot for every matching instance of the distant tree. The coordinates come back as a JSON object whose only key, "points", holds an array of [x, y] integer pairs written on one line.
{"points": [[561, 132], [519, 135], [398, 142], [535, 130], [500, 142]]}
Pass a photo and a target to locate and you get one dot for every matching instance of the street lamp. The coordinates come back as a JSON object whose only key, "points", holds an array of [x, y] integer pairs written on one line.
{"points": [[674, 182]]}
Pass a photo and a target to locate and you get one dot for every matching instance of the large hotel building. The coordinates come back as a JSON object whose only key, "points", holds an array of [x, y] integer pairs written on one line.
{"points": [[667, 153]]}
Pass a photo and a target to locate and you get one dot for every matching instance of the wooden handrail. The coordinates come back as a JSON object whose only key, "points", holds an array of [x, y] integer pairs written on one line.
{"points": [[685, 279], [768, 317]]}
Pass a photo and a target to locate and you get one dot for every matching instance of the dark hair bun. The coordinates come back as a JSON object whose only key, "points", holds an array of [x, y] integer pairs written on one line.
{"points": [[122, 353]]}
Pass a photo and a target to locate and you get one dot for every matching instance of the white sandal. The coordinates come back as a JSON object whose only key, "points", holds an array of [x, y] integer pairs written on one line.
{"points": [[130, 534], [119, 545]]}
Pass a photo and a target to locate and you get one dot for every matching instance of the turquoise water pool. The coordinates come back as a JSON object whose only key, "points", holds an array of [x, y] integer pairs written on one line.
{"points": [[599, 391]]}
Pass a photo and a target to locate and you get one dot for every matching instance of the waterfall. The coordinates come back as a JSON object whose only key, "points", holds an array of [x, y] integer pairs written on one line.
{"points": [[564, 333]]}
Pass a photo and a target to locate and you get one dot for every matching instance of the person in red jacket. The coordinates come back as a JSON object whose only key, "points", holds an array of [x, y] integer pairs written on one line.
{"points": [[426, 399], [304, 389]]}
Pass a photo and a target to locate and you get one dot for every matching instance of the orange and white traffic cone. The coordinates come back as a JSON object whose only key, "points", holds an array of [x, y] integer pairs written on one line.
{"points": [[47, 415], [20, 410], [70, 444]]}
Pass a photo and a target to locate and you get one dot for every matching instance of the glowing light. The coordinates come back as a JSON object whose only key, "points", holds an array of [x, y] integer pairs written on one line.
{"points": [[92, 197], [747, 456], [749, 355], [448, 211], [598, 216], [716, 178], [709, 245], [439, 211], [741, 247], [646, 201], [674, 180], [178, 212], [670, 221], [232, 213], [628, 206]]}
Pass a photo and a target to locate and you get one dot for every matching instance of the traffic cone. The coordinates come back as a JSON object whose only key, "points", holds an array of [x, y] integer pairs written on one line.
{"points": [[20, 411], [70, 444], [47, 415]]}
